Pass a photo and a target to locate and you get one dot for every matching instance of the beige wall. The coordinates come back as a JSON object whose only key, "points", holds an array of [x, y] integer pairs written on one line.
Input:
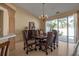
{"points": [[21, 21]]}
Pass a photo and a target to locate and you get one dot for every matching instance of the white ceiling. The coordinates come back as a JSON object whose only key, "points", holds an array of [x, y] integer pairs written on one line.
{"points": [[50, 8]]}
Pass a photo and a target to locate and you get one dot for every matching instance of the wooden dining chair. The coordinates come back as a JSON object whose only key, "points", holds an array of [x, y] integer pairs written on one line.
{"points": [[4, 48], [28, 40], [55, 41], [48, 42]]}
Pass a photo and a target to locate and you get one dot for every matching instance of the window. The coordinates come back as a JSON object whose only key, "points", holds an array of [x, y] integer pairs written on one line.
{"points": [[64, 26]]}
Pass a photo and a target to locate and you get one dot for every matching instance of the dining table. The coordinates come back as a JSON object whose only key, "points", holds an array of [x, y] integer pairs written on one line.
{"points": [[40, 38]]}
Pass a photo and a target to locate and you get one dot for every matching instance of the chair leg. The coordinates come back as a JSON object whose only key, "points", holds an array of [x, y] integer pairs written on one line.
{"points": [[46, 49], [35, 48], [24, 46], [2, 51], [27, 50], [46, 53], [57, 45], [40, 46], [54, 46], [35, 45], [51, 49]]}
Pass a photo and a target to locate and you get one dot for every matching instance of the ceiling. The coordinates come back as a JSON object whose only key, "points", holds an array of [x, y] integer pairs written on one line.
{"points": [[50, 8]]}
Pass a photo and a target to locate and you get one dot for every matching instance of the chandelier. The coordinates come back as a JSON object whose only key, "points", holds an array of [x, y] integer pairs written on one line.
{"points": [[43, 16]]}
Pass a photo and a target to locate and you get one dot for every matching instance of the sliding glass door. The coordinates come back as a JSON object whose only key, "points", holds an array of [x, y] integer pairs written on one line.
{"points": [[65, 27], [62, 29], [71, 29]]}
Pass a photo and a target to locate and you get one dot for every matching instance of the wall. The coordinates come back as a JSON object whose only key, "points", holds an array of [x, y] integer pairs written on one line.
{"points": [[22, 19]]}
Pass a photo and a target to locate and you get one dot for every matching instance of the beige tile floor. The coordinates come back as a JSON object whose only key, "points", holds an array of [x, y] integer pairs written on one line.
{"points": [[62, 50]]}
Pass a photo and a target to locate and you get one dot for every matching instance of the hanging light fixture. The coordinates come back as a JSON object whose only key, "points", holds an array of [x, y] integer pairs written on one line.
{"points": [[43, 16]]}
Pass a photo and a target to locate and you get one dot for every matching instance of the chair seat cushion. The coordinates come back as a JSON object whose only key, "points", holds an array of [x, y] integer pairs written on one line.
{"points": [[31, 41]]}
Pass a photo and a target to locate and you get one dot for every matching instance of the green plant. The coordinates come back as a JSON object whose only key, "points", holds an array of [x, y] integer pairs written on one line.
{"points": [[52, 25]]}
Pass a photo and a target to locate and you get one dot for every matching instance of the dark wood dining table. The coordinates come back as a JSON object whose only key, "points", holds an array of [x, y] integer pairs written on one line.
{"points": [[40, 38]]}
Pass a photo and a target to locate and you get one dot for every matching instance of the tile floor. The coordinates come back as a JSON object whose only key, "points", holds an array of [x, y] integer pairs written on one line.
{"points": [[62, 50]]}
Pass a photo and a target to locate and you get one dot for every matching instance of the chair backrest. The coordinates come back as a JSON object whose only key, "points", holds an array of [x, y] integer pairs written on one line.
{"points": [[4, 48], [38, 32], [50, 38], [56, 36], [28, 34], [25, 35], [33, 33]]}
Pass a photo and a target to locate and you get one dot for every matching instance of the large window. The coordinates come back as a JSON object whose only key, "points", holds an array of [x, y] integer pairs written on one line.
{"points": [[50, 25], [71, 28], [62, 29], [64, 26]]}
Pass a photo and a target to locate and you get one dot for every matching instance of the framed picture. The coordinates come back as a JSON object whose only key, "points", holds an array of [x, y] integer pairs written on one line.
{"points": [[31, 26]]}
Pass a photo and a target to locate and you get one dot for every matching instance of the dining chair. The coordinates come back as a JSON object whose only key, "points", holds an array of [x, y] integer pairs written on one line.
{"points": [[55, 41], [48, 42], [28, 41], [4, 48]]}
